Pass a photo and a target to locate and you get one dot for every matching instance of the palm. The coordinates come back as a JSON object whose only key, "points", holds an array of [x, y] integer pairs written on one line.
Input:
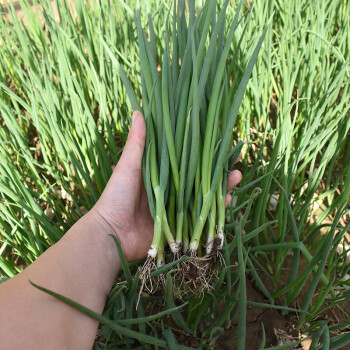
{"points": [[123, 204]]}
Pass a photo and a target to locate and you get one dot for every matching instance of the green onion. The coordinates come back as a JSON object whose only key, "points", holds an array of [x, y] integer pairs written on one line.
{"points": [[190, 119]]}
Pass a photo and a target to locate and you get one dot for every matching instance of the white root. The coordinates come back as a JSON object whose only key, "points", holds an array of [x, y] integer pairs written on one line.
{"points": [[194, 246], [152, 252], [174, 247], [209, 247], [221, 236]]}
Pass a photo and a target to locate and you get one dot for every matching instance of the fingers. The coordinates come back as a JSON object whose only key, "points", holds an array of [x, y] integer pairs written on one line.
{"points": [[233, 179], [135, 144], [228, 200]]}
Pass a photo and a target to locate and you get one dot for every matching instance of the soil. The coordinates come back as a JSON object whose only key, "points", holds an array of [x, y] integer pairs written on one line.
{"points": [[279, 329], [275, 325]]}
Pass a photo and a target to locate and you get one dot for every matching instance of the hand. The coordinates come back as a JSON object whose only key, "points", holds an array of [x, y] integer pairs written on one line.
{"points": [[123, 206], [233, 179]]}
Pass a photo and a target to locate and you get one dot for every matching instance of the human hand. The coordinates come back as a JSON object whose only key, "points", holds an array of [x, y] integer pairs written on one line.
{"points": [[123, 206]]}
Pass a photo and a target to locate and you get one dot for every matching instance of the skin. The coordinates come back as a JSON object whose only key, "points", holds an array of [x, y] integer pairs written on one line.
{"points": [[84, 263]]}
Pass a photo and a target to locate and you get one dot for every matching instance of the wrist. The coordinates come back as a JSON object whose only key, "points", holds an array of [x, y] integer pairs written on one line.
{"points": [[110, 226], [96, 235]]}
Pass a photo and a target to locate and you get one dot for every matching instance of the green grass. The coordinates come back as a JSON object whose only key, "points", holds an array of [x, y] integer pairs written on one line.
{"points": [[65, 114]]}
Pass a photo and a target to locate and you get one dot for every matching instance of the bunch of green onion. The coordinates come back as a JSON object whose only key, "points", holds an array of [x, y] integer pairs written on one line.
{"points": [[190, 106]]}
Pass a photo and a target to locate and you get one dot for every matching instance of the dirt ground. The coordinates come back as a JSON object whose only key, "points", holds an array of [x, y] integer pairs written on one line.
{"points": [[278, 329], [274, 324]]}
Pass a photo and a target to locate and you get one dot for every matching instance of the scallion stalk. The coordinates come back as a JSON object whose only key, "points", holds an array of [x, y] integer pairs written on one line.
{"points": [[190, 121]]}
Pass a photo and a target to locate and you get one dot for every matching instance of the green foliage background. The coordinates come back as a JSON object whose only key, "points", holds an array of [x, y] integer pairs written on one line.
{"points": [[64, 118]]}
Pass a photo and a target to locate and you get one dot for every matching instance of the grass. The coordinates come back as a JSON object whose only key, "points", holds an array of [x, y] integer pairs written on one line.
{"points": [[65, 116]]}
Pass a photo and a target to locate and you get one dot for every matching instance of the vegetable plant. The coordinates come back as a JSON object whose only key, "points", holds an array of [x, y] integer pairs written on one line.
{"points": [[190, 107]]}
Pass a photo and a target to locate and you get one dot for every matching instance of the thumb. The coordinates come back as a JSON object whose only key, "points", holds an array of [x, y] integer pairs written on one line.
{"points": [[135, 144]]}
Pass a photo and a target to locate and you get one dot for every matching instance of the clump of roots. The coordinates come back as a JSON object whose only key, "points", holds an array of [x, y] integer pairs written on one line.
{"points": [[147, 282], [195, 275]]}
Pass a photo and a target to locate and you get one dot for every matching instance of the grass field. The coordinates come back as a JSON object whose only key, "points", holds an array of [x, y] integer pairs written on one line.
{"points": [[65, 115]]}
